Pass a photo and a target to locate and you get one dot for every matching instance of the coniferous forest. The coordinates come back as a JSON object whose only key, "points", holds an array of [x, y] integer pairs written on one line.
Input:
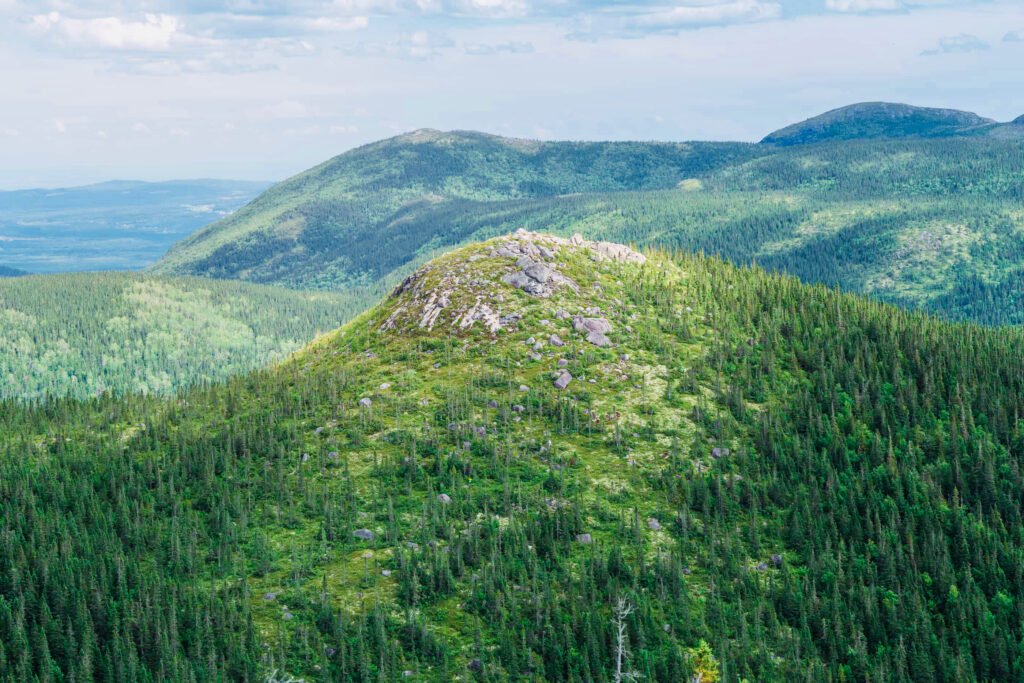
{"points": [[663, 466]]}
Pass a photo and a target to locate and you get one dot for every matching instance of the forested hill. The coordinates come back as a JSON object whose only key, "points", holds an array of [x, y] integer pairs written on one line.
{"points": [[361, 215], [82, 334], [885, 120], [933, 224], [534, 455]]}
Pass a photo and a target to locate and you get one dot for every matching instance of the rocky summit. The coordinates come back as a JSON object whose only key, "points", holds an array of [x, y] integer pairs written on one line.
{"points": [[495, 285]]}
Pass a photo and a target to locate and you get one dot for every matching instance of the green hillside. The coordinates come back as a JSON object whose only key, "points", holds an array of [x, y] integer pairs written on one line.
{"points": [[83, 334], [933, 224], [873, 120], [534, 455]]}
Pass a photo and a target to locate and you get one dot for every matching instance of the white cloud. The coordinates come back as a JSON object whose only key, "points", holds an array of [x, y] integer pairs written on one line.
{"points": [[139, 127], [863, 5], [420, 45], [706, 12], [637, 21], [512, 47], [1014, 37], [60, 126], [963, 42], [155, 32]]}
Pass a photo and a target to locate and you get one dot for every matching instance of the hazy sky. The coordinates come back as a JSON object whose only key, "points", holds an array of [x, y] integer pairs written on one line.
{"points": [[156, 89]]}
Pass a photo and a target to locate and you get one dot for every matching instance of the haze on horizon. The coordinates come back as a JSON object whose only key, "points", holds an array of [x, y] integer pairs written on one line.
{"points": [[261, 89]]}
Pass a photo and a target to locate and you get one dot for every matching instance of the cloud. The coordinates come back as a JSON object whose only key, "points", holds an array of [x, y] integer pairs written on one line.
{"points": [[1014, 36], [863, 5], [637, 21], [153, 33], [512, 48], [420, 45], [963, 42]]}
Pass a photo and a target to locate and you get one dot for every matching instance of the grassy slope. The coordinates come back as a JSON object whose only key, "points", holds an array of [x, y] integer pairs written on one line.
{"points": [[852, 427], [81, 334]]}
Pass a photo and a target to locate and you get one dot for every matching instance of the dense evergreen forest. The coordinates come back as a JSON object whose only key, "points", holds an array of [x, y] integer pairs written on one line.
{"points": [[79, 335], [742, 478], [931, 224]]}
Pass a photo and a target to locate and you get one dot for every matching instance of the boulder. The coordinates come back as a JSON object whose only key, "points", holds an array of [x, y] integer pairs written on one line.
{"points": [[444, 498], [365, 402], [563, 380], [585, 539], [363, 534], [599, 339], [653, 524], [585, 325], [555, 340]]}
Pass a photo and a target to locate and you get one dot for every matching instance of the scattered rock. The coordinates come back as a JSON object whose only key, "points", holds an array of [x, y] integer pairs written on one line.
{"points": [[777, 560], [585, 325], [562, 362], [385, 386], [761, 566], [333, 455], [518, 408], [523, 387], [653, 524], [563, 380], [492, 404], [599, 339], [385, 572], [585, 539], [444, 498], [270, 596], [364, 534], [475, 665], [717, 452], [555, 340], [365, 402]]}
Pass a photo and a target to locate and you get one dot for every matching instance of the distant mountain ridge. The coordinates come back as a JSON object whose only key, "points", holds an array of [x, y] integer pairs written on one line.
{"points": [[11, 272], [887, 120]]}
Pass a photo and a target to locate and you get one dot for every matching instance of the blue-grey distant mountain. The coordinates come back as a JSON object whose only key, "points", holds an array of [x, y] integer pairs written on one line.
{"points": [[885, 120], [114, 225], [11, 272]]}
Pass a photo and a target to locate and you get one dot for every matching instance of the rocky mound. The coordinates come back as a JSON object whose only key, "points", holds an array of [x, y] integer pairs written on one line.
{"points": [[497, 283]]}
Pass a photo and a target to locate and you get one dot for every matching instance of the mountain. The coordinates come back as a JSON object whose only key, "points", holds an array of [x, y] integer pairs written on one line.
{"points": [[932, 224], [365, 213], [114, 225], [82, 334], [538, 453], [878, 120], [11, 272]]}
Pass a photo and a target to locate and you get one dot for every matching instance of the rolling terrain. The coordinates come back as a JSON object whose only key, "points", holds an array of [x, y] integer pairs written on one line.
{"points": [[82, 334], [118, 225], [535, 455], [932, 224]]}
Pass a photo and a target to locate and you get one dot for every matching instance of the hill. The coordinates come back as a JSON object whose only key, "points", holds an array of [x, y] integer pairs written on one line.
{"points": [[11, 272], [537, 454], [113, 225], [82, 334], [931, 224], [878, 120], [365, 213]]}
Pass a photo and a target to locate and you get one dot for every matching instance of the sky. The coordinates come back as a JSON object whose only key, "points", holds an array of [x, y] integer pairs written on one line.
{"points": [[261, 89]]}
